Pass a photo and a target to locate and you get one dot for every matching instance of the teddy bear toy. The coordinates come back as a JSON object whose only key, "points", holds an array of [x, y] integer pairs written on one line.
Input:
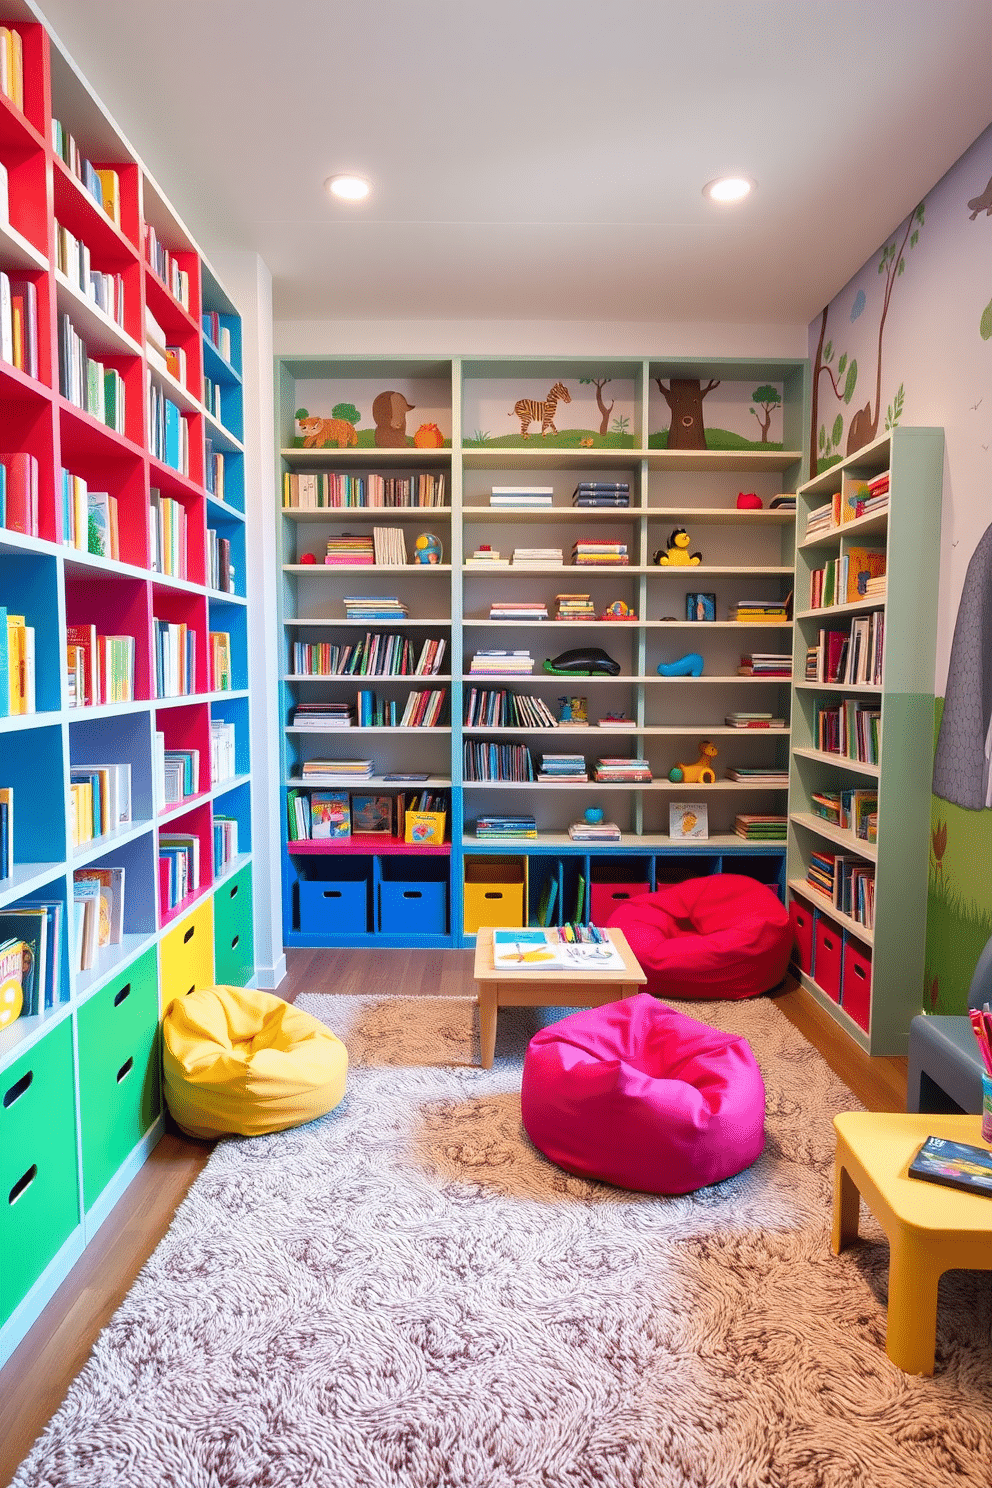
{"points": [[677, 551]]}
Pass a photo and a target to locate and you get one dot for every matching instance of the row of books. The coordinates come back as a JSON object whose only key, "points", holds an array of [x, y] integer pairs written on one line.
{"points": [[376, 655], [220, 570], [484, 760], [503, 827], [417, 817], [853, 810], [100, 668], [844, 579], [106, 291], [19, 323], [225, 830], [213, 470], [852, 657], [167, 266], [847, 881], [178, 868], [852, 729], [17, 665], [316, 490], [422, 709], [213, 398], [168, 431], [99, 798], [31, 956], [103, 184], [498, 708], [217, 333], [86, 382], [175, 658]]}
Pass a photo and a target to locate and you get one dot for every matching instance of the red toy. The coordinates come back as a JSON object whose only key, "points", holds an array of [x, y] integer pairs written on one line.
{"points": [[307, 558], [748, 500]]}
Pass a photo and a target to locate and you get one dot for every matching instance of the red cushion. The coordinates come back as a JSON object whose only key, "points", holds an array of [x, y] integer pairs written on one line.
{"points": [[643, 1097], [725, 935]]}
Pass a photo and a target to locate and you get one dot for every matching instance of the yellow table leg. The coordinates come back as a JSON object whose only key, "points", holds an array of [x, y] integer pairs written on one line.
{"points": [[847, 1205], [910, 1341]]}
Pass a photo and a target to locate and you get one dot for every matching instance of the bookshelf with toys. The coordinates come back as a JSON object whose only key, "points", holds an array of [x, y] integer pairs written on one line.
{"points": [[125, 777], [862, 736], [558, 521]]}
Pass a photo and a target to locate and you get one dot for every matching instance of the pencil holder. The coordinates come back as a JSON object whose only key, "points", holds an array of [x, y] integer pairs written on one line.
{"points": [[986, 1108]]}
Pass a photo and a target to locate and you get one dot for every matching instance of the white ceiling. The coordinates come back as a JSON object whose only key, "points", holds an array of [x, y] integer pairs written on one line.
{"points": [[543, 161]]}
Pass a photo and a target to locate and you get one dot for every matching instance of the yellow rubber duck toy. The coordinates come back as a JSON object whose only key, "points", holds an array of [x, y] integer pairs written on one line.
{"points": [[677, 551]]}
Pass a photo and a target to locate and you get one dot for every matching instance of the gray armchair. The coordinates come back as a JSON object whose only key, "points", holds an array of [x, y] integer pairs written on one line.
{"points": [[945, 1067]]}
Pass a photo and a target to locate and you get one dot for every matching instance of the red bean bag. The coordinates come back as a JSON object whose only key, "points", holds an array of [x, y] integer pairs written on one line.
{"points": [[643, 1097], [721, 936]]}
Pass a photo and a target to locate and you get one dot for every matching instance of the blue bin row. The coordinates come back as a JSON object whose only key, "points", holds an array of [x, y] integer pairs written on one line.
{"points": [[379, 895]]}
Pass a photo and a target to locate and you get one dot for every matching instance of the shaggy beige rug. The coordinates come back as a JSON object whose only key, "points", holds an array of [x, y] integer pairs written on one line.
{"points": [[405, 1294]]}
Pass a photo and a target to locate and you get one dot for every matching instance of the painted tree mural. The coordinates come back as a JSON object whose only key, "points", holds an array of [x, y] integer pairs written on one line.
{"points": [[767, 399], [864, 425], [599, 383], [684, 396], [824, 445]]}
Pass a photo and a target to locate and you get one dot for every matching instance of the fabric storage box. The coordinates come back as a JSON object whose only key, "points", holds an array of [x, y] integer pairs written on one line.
{"points": [[495, 892], [827, 953], [338, 906], [118, 1071], [605, 897], [856, 996], [412, 907], [802, 918], [38, 1174]]}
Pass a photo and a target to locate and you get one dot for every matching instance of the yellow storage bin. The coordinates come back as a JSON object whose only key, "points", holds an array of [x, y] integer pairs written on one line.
{"points": [[187, 953], [495, 892]]}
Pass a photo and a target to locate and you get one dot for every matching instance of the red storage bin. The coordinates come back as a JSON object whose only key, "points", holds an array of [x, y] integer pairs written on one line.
{"points": [[829, 953], [802, 918], [856, 999], [605, 897]]}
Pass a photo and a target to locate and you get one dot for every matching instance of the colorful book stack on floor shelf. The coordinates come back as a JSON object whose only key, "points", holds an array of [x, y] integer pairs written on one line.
{"points": [[126, 871]]}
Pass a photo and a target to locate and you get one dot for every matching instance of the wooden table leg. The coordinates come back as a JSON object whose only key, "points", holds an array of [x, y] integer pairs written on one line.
{"points": [[488, 1001], [847, 1206]]}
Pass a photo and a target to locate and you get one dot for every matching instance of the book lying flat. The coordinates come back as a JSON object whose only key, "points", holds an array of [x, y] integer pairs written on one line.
{"points": [[955, 1164], [544, 950]]}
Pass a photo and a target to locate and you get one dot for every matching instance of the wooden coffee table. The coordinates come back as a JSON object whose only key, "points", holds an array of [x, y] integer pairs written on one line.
{"points": [[536, 988]]}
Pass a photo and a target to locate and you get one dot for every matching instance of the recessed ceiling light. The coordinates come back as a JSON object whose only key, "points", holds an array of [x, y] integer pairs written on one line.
{"points": [[728, 189], [348, 188]]}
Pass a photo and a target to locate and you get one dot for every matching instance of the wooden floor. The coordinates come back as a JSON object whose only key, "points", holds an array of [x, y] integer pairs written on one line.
{"points": [[36, 1378]]}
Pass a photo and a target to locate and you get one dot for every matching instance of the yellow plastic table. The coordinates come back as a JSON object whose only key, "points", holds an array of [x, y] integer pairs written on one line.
{"points": [[930, 1228]]}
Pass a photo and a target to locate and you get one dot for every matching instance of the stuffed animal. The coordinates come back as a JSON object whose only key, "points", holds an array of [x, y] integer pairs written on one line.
{"points": [[677, 551], [702, 772]]}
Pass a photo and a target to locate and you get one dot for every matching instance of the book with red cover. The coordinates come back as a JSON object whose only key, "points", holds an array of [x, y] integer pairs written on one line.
{"points": [[22, 492], [24, 310], [85, 636]]}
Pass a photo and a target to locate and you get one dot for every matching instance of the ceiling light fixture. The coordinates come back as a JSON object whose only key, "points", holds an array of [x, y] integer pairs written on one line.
{"points": [[728, 189], [348, 188]]}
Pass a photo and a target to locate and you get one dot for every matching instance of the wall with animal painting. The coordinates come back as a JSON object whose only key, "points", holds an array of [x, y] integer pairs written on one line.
{"points": [[909, 341], [406, 413]]}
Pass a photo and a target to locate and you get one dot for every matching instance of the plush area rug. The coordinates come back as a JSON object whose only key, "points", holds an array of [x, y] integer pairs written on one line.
{"points": [[405, 1294]]}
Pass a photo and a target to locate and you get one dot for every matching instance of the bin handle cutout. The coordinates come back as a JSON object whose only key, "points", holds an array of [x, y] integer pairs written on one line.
{"points": [[189, 934], [331, 894], [125, 1069], [22, 1184], [412, 894], [492, 894], [235, 941], [124, 992], [234, 889], [17, 1089]]}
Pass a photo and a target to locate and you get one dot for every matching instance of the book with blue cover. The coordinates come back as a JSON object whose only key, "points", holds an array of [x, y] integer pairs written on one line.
{"points": [[954, 1164]]}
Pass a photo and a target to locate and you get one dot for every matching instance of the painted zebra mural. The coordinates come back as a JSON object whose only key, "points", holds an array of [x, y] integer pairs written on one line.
{"points": [[532, 410]]}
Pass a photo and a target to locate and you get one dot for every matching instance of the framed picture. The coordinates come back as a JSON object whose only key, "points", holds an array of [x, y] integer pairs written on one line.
{"points": [[371, 816], [700, 607], [688, 819]]}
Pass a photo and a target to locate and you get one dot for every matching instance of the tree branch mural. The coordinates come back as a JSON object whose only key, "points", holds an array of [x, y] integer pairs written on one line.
{"points": [[685, 398], [767, 399], [599, 383], [824, 448]]}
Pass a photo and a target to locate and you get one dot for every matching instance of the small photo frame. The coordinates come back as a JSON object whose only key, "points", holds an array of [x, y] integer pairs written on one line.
{"points": [[688, 819], [371, 816], [700, 606]]}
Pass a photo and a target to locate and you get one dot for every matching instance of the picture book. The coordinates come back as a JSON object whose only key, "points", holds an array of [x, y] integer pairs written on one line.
{"points": [[688, 819], [11, 981], [863, 564], [371, 816], [330, 814], [111, 901], [954, 1164], [563, 948], [86, 895], [29, 925]]}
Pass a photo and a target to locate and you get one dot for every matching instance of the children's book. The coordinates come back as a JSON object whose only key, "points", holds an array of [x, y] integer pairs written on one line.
{"points": [[12, 1003], [371, 816], [555, 949], [330, 814], [954, 1164]]}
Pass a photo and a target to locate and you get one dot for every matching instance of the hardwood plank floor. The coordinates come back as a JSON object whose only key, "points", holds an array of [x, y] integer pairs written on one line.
{"points": [[36, 1378]]}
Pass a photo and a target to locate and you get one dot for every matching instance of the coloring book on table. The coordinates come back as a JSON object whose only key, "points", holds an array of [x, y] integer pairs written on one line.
{"points": [[544, 950]]}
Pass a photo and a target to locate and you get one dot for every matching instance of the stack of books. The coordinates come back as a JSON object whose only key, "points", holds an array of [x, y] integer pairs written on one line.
{"points": [[323, 715], [374, 607], [765, 664], [600, 551], [538, 558], [509, 828], [486, 557], [868, 496], [782, 503], [759, 775], [336, 772], [389, 544], [524, 498], [348, 549], [617, 770], [820, 519], [754, 721], [762, 611], [575, 607], [826, 804], [499, 663], [562, 767], [601, 493], [517, 609], [760, 828], [583, 831]]}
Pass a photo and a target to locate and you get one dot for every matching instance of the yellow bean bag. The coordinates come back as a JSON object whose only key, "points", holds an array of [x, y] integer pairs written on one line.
{"points": [[247, 1062]]}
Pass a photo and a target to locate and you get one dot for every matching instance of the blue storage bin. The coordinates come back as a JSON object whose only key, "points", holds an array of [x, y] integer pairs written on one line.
{"points": [[408, 907], [334, 906]]}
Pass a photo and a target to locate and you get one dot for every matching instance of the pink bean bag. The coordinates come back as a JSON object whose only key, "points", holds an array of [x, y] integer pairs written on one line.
{"points": [[643, 1097], [721, 936]]}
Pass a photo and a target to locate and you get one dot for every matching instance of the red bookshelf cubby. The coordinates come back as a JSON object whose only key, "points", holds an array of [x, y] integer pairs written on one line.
{"points": [[187, 727], [116, 605]]}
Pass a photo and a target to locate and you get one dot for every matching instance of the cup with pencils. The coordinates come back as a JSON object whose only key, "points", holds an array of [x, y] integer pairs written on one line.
{"points": [[981, 1022]]}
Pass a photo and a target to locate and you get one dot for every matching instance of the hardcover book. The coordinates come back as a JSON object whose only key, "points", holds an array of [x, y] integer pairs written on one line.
{"points": [[954, 1164], [330, 814]]}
